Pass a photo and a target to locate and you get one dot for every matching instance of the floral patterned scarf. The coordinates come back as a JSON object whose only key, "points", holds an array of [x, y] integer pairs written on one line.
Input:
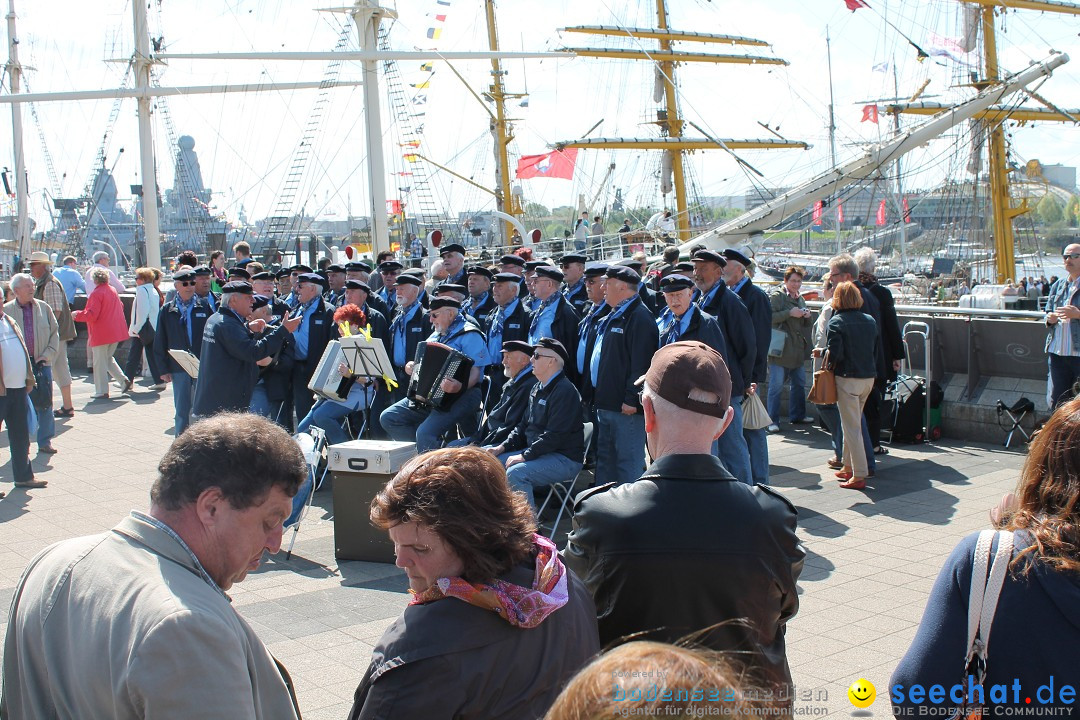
{"points": [[520, 606]]}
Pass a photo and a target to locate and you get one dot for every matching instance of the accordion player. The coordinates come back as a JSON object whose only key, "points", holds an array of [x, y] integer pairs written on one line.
{"points": [[434, 363]]}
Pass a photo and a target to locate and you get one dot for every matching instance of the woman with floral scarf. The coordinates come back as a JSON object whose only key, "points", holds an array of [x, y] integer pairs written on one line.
{"points": [[496, 625]]}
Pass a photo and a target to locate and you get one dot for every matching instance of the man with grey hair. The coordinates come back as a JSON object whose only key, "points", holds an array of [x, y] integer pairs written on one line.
{"points": [[636, 544], [892, 342], [101, 259], [228, 368], [47, 287], [39, 328], [157, 634]]}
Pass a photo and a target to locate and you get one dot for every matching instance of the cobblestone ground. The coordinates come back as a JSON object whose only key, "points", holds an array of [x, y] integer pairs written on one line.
{"points": [[872, 556]]}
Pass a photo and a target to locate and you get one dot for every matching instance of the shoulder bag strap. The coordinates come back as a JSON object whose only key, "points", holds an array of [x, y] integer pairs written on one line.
{"points": [[983, 598]]}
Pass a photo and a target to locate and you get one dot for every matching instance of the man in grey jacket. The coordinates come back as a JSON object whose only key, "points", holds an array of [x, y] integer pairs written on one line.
{"points": [[135, 623]]}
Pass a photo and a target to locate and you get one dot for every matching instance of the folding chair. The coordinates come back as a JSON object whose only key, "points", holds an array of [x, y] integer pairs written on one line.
{"points": [[311, 444], [563, 493], [1017, 413]]}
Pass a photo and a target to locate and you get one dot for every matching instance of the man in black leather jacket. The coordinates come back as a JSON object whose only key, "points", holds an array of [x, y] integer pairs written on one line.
{"points": [[687, 548]]}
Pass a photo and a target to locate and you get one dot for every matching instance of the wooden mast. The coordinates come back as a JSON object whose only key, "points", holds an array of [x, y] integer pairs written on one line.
{"points": [[501, 129]]}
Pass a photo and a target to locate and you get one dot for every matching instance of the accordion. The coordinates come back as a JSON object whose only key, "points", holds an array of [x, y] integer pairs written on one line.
{"points": [[434, 363], [327, 382]]}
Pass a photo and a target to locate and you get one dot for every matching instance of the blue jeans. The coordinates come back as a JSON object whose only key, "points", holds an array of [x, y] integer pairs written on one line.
{"points": [[14, 413], [830, 415], [778, 376], [406, 423], [260, 401], [46, 421], [731, 447], [183, 392], [758, 444], [620, 447], [327, 415], [1064, 371], [540, 472]]}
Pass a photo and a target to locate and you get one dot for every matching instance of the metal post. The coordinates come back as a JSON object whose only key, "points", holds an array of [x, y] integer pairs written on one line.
{"points": [[366, 16], [151, 227], [22, 218]]}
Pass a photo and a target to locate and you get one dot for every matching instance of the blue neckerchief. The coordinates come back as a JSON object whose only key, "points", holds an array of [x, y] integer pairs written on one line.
{"points": [[583, 334], [388, 297], [738, 286], [524, 371], [601, 328], [706, 297], [673, 328], [397, 331], [495, 332], [291, 300], [472, 303], [543, 315], [457, 323], [194, 558], [570, 290], [209, 300], [185, 309]]}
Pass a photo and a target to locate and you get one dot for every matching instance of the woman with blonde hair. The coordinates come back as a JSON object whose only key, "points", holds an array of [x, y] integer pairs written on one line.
{"points": [[851, 341], [144, 310]]}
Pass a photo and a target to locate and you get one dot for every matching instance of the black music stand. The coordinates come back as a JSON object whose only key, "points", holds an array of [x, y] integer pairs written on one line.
{"points": [[367, 359]]}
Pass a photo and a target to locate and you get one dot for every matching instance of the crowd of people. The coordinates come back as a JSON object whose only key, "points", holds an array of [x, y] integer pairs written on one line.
{"points": [[654, 362]]}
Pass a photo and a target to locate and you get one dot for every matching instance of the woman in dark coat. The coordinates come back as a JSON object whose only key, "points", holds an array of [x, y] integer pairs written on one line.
{"points": [[497, 625], [851, 339], [1035, 629]]}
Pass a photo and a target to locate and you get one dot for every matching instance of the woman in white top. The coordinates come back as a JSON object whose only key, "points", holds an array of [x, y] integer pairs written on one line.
{"points": [[145, 309]]}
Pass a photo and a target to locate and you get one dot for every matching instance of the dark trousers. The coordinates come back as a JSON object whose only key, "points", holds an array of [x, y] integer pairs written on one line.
{"points": [[13, 409], [133, 364], [302, 397], [1064, 372]]}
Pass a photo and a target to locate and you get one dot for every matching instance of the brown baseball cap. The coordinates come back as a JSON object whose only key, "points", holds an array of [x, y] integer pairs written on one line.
{"points": [[680, 367]]}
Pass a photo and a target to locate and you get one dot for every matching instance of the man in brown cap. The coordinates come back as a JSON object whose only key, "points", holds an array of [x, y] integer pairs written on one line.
{"points": [[688, 547], [50, 290]]}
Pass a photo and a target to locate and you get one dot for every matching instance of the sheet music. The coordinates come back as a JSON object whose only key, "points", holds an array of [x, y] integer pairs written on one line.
{"points": [[187, 361], [366, 358]]}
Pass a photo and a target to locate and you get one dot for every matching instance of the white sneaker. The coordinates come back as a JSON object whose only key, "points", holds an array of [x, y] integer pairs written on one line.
{"points": [[774, 428], [159, 386]]}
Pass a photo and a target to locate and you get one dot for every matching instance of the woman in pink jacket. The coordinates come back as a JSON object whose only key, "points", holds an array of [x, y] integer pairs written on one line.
{"points": [[104, 318]]}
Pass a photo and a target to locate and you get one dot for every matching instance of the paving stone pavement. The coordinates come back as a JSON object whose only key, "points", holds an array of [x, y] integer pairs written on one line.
{"points": [[871, 556]]}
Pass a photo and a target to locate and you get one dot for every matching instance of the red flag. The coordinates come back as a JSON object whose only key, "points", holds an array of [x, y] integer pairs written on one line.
{"points": [[881, 213], [869, 112], [907, 213], [818, 206], [840, 213], [393, 207], [555, 164], [854, 5]]}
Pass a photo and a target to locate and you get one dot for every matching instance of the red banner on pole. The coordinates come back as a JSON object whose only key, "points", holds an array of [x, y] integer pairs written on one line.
{"points": [[907, 212], [818, 206], [840, 213], [870, 112], [881, 213]]}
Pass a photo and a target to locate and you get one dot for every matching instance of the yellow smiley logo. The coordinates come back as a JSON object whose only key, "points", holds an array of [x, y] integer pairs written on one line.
{"points": [[862, 693]]}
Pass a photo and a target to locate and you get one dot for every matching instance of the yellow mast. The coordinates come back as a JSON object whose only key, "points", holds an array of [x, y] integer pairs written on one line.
{"points": [[674, 127], [501, 129], [1002, 210], [674, 142]]}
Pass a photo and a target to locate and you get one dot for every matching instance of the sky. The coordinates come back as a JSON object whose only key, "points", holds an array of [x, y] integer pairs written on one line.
{"points": [[246, 143]]}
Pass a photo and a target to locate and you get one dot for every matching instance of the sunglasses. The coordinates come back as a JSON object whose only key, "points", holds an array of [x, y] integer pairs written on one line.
{"points": [[538, 355], [186, 283], [1071, 256]]}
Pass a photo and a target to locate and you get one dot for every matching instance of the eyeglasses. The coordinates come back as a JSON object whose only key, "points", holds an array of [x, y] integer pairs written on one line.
{"points": [[186, 283], [1070, 256], [538, 355]]}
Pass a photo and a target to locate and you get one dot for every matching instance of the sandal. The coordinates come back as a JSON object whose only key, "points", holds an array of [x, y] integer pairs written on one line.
{"points": [[844, 475], [881, 450], [854, 484], [64, 412]]}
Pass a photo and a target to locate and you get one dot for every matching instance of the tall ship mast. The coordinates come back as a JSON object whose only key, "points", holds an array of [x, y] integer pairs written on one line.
{"points": [[672, 140], [982, 16]]}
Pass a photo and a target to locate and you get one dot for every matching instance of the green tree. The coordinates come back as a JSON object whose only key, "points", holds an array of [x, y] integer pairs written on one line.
{"points": [[1049, 210], [1072, 211]]}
